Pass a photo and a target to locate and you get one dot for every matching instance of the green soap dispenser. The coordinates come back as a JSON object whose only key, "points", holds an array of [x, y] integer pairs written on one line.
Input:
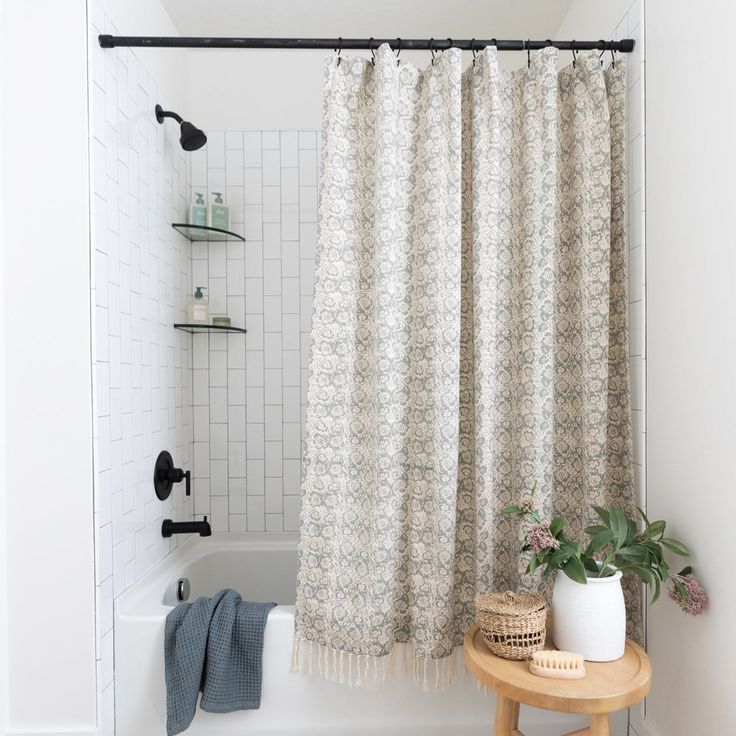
{"points": [[198, 312], [219, 212], [198, 210]]}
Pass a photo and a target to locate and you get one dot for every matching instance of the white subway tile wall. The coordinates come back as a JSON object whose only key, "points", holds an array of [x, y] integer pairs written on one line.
{"points": [[141, 275], [631, 25], [249, 390]]}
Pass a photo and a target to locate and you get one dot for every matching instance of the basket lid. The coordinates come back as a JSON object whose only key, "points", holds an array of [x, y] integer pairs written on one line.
{"points": [[509, 602]]}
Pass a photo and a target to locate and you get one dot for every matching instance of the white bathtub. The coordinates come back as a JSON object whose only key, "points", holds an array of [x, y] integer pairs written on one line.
{"points": [[263, 567]]}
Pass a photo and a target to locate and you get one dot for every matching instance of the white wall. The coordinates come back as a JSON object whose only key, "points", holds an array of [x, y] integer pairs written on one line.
{"points": [[46, 413], [141, 276], [3, 481], [691, 266], [145, 18]]}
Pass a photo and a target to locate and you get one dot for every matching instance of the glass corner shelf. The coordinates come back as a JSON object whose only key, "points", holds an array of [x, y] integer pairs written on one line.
{"points": [[202, 232], [198, 329]]}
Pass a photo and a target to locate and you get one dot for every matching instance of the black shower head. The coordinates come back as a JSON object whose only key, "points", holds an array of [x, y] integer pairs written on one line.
{"points": [[191, 137]]}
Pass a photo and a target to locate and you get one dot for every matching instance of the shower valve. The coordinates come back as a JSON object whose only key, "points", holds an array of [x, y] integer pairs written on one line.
{"points": [[165, 475]]}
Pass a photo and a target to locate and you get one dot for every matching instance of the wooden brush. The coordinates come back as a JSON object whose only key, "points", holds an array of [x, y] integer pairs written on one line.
{"points": [[560, 665]]}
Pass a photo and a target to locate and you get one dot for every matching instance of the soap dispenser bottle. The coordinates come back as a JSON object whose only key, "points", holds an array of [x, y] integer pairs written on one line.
{"points": [[198, 210], [219, 212], [198, 312]]}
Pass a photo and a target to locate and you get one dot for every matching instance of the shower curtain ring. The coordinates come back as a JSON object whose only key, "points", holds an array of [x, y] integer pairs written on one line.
{"points": [[373, 53], [613, 58], [450, 41], [398, 52], [473, 51], [528, 55], [338, 50], [431, 49], [574, 55], [602, 42]]}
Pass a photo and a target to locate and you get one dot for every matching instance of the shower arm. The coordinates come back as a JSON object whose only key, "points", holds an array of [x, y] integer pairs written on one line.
{"points": [[107, 41], [161, 114]]}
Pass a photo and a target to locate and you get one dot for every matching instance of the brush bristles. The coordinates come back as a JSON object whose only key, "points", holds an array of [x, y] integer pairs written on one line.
{"points": [[552, 663]]}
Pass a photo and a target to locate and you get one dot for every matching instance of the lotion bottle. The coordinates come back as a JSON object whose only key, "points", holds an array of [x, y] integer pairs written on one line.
{"points": [[198, 210], [198, 311], [219, 212]]}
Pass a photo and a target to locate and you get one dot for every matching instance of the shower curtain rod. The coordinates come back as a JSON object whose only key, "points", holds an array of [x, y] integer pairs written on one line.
{"points": [[625, 46]]}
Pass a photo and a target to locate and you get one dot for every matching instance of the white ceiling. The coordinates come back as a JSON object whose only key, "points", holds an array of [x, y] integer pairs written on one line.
{"points": [[364, 18]]}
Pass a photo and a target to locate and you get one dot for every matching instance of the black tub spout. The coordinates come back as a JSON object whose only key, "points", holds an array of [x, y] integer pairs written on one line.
{"points": [[169, 527]]}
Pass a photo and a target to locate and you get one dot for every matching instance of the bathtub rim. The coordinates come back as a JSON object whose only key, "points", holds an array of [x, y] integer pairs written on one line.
{"points": [[144, 599]]}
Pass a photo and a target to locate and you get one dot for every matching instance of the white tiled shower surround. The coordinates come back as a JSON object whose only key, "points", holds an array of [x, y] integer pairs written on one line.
{"points": [[631, 25], [250, 391], [141, 272]]}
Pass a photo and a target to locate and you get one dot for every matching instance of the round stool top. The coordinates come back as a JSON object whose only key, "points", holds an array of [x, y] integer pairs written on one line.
{"points": [[606, 687]]}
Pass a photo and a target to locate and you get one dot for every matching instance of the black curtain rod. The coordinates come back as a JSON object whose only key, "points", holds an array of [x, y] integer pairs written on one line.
{"points": [[438, 44]]}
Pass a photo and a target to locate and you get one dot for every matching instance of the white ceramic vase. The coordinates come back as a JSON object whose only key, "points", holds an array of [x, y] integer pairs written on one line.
{"points": [[589, 619]]}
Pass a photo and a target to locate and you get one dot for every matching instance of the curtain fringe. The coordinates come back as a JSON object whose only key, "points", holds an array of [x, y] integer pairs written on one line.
{"points": [[362, 670]]}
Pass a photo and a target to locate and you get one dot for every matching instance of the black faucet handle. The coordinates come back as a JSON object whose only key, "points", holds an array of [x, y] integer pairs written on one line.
{"points": [[179, 475], [165, 475]]}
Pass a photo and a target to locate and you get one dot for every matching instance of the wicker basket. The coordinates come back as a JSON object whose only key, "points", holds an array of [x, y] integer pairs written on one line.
{"points": [[512, 624]]}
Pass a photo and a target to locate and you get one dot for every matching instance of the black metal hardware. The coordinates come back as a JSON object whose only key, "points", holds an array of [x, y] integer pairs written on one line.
{"points": [[107, 41], [170, 527], [191, 137], [165, 475]]}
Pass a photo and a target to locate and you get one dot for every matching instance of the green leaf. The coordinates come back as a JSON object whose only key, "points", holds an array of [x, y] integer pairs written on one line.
{"points": [[657, 589], [677, 547], [631, 534], [575, 571], [595, 529], [681, 591], [643, 516], [557, 525], [533, 563], [654, 550], [603, 514], [573, 547], [619, 526], [643, 573], [634, 554], [686, 571], [513, 510], [656, 528], [599, 541], [590, 564], [558, 557]]}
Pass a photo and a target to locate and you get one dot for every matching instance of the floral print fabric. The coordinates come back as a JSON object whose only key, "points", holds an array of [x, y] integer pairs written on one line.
{"points": [[469, 339]]}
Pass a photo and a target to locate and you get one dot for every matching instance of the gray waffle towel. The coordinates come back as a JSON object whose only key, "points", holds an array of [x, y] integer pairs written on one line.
{"points": [[214, 645]]}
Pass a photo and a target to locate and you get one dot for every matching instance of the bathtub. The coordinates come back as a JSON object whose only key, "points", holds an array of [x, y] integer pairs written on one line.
{"points": [[263, 567]]}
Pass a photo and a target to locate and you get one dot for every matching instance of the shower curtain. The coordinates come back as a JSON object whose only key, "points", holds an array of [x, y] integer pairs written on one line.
{"points": [[469, 340]]}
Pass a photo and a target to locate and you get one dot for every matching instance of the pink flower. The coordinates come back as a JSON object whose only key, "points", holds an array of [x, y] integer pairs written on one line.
{"points": [[540, 538], [696, 599]]}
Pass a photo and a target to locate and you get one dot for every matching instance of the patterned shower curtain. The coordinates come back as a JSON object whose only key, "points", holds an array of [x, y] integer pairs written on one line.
{"points": [[469, 340]]}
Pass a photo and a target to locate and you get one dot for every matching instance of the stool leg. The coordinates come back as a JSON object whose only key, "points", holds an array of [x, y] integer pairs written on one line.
{"points": [[600, 724], [506, 720]]}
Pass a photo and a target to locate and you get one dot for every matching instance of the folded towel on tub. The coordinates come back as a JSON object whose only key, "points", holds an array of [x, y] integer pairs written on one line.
{"points": [[213, 645]]}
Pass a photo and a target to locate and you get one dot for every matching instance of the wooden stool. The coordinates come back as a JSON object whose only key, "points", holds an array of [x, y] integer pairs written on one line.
{"points": [[606, 687]]}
